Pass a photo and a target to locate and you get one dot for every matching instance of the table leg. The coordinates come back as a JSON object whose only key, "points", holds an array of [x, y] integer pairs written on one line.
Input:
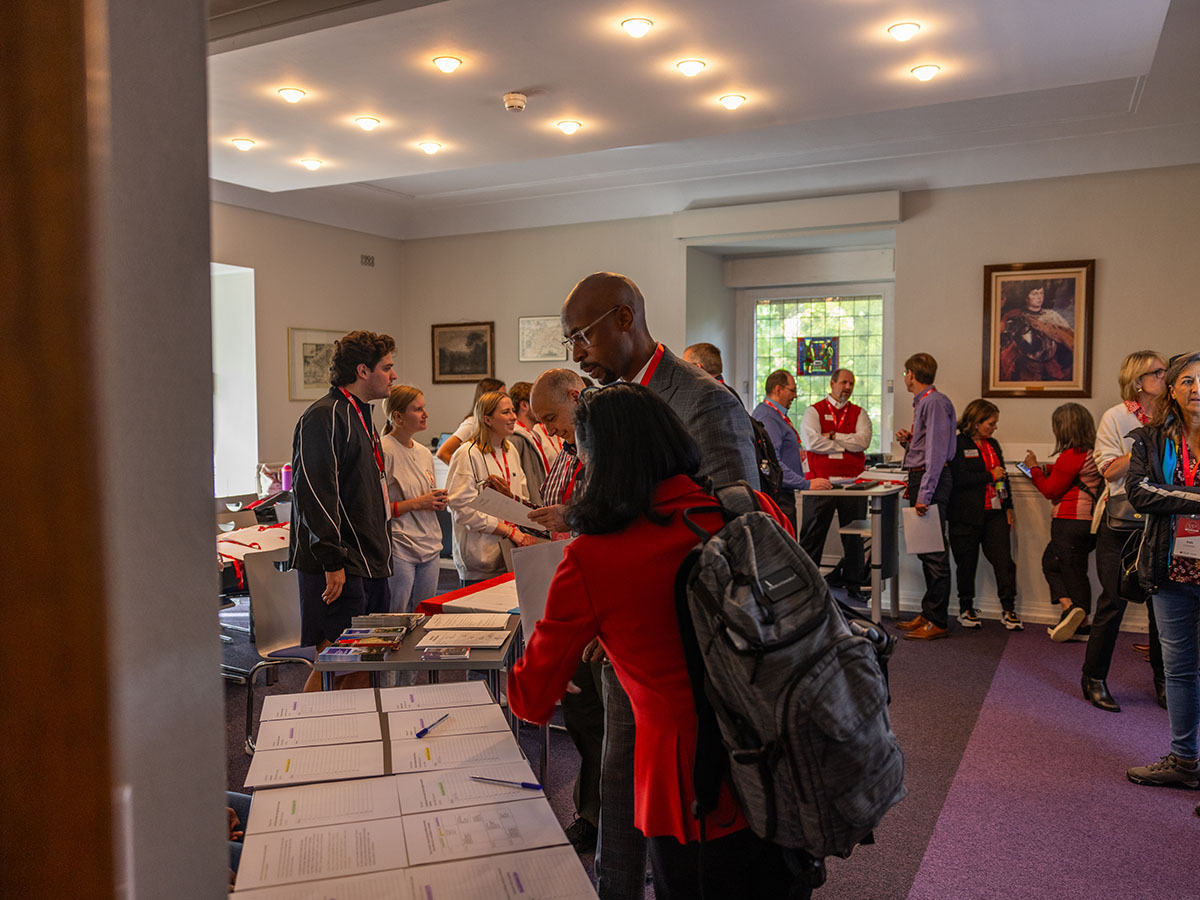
{"points": [[544, 765], [876, 559], [327, 681]]}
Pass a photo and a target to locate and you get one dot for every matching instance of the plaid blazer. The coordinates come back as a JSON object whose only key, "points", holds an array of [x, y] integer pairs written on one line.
{"points": [[713, 416]]}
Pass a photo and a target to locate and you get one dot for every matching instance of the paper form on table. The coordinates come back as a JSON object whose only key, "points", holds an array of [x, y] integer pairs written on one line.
{"points": [[454, 752], [390, 885], [302, 765], [309, 854], [314, 731], [463, 720], [481, 831], [488, 639], [460, 621], [313, 805], [318, 703], [453, 788]]}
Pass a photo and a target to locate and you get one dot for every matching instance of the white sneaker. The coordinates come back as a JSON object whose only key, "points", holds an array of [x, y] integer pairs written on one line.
{"points": [[1012, 621], [969, 618]]}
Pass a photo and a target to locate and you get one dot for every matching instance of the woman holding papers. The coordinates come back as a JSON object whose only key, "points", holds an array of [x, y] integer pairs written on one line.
{"points": [[488, 462], [616, 582], [413, 500]]}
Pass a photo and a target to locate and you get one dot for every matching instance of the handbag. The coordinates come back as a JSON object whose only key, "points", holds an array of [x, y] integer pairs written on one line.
{"points": [[1119, 515], [1129, 588]]}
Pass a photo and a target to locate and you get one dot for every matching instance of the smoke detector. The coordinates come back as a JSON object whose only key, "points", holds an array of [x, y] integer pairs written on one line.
{"points": [[514, 101]]}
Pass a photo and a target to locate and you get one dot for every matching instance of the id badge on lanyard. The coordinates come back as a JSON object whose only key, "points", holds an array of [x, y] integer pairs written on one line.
{"points": [[1187, 538]]}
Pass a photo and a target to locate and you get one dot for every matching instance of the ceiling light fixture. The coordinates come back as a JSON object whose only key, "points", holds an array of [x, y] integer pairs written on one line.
{"points": [[291, 95], [732, 101], [430, 147], [312, 164], [690, 67], [569, 126], [242, 143], [924, 73], [447, 63], [367, 123], [637, 27], [902, 31]]}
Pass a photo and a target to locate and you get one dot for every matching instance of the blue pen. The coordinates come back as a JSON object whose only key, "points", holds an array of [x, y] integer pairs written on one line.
{"points": [[428, 728], [528, 785]]}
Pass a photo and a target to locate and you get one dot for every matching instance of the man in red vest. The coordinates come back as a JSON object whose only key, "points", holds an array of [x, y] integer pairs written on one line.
{"points": [[836, 434]]}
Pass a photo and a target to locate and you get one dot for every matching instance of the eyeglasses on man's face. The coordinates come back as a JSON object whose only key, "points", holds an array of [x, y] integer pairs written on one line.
{"points": [[580, 338]]}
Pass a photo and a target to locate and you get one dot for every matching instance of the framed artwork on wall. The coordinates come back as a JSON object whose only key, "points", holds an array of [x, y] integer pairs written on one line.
{"points": [[816, 356], [310, 351], [1037, 329], [463, 351], [539, 339]]}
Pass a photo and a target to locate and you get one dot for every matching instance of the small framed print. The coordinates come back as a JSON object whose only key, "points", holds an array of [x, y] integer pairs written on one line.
{"points": [[816, 356], [539, 339], [463, 352], [310, 351], [1037, 329]]}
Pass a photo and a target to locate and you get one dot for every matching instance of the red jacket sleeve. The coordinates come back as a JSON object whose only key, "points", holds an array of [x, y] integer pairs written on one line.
{"points": [[552, 653], [1061, 477], [767, 505]]}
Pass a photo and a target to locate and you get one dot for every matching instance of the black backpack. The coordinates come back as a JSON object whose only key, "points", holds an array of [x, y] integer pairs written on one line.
{"points": [[770, 473], [791, 698]]}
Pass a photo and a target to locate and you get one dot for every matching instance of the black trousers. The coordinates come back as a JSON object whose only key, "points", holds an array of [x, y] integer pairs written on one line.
{"points": [[818, 516], [1110, 608], [1065, 561], [935, 605], [993, 536], [738, 865], [583, 716]]}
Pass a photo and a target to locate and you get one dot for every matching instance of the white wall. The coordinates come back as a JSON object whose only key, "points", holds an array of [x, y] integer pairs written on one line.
{"points": [[306, 276], [503, 275], [711, 310]]}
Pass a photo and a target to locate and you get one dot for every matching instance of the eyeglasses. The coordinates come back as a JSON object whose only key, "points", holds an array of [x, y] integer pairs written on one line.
{"points": [[580, 338], [1156, 373]]}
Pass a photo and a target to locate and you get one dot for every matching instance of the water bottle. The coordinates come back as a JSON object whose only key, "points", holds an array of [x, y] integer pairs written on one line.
{"points": [[285, 477]]}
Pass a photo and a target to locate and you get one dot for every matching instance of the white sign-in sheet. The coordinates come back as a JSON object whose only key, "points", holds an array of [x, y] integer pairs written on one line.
{"points": [[454, 788], [483, 639], [317, 730], [318, 703], [395, 884], [302, 765], [554, 873], [308, 854], [463, 621], [481, 831], [432, 696], [460, 720], [313, 805], [454, 752]]}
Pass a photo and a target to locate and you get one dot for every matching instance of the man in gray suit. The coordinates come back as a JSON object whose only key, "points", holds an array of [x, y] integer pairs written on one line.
{"points": [[604, 321]]}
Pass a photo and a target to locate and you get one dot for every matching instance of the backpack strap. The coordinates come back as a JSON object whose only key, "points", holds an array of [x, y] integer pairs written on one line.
{"points": [[736, 498]]}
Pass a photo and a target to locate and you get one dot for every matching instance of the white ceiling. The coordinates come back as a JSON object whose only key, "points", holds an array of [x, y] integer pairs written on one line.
{"points": [[1028, 88]]}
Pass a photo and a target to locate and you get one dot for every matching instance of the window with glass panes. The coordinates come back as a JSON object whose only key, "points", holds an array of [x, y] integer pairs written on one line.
{"points": [[857, 323]]}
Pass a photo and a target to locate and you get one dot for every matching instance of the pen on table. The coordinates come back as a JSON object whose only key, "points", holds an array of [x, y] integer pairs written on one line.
{"points": [[528, 785], [428, 728]]}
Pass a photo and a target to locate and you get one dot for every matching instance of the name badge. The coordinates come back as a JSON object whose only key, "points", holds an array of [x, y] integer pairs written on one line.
{"points": [[830, 419], [837, 455], [971, 454], [1187, 537]]}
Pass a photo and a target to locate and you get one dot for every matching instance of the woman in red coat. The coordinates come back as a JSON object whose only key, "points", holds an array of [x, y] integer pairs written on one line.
{"points": [[616, 582]]}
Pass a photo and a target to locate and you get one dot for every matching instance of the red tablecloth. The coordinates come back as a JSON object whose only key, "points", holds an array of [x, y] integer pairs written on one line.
{"points": [[434, 604]]}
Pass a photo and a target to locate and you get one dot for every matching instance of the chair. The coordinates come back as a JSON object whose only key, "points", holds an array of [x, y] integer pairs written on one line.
{"points": [[275, 606]]}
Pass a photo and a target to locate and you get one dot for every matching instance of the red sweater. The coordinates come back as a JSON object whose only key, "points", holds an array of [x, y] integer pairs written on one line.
{"points": [[1060, 485]]}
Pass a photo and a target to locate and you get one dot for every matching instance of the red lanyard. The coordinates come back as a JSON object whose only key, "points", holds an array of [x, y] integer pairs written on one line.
{"points": [[782, 415], [537, 443], [838, 420], [654, 361], [990, 459], [370, 432], [507, 474], [571, 484], [1189, 471]]}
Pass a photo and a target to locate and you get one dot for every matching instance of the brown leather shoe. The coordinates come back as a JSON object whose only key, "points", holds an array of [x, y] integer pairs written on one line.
{"points": [[927, 632], [912, 624]]}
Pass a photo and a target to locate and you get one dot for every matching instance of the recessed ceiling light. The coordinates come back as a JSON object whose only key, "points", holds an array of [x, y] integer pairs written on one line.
{"points": [[732, 101], [430, 147], [367, 123], [447, 63], [902, 31], [690, 67], [312, 164], [637, 27], [242, 143], [569, 126], [291, 95], [924, 73]]}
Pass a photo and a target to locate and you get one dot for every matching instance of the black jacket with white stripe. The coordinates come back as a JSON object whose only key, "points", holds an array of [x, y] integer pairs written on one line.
{"points": [[1152, 492], [339, 520]]}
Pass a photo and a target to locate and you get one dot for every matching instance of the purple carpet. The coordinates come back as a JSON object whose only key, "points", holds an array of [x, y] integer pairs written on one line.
{"points": [[1040, 806]]}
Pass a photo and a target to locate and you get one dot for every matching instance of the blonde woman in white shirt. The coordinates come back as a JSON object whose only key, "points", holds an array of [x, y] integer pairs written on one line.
{"points": [[413, 500], [489, 461]]}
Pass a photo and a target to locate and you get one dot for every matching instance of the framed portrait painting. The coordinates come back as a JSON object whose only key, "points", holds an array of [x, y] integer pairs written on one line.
{"points": [[463, 351], [539, 339], [310, 351], [1037, 329]]}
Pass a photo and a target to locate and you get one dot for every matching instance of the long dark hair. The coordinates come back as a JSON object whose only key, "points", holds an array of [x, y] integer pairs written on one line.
{"points": [[631, 441], [1169, 416]]}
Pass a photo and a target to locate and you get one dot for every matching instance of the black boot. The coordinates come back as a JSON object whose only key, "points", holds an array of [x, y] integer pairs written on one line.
{"points": [[1095, 691], [1160, 692]]}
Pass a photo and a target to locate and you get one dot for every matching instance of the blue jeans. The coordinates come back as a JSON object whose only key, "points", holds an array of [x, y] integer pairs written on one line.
{"points": [[411, 583], [1177, 609]]}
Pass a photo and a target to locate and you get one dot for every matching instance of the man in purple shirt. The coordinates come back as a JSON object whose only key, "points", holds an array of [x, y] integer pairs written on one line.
{"points": [[928, 448]]}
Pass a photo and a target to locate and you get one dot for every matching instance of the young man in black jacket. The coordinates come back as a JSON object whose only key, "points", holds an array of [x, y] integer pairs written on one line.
{"points": [[339, 537]]}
